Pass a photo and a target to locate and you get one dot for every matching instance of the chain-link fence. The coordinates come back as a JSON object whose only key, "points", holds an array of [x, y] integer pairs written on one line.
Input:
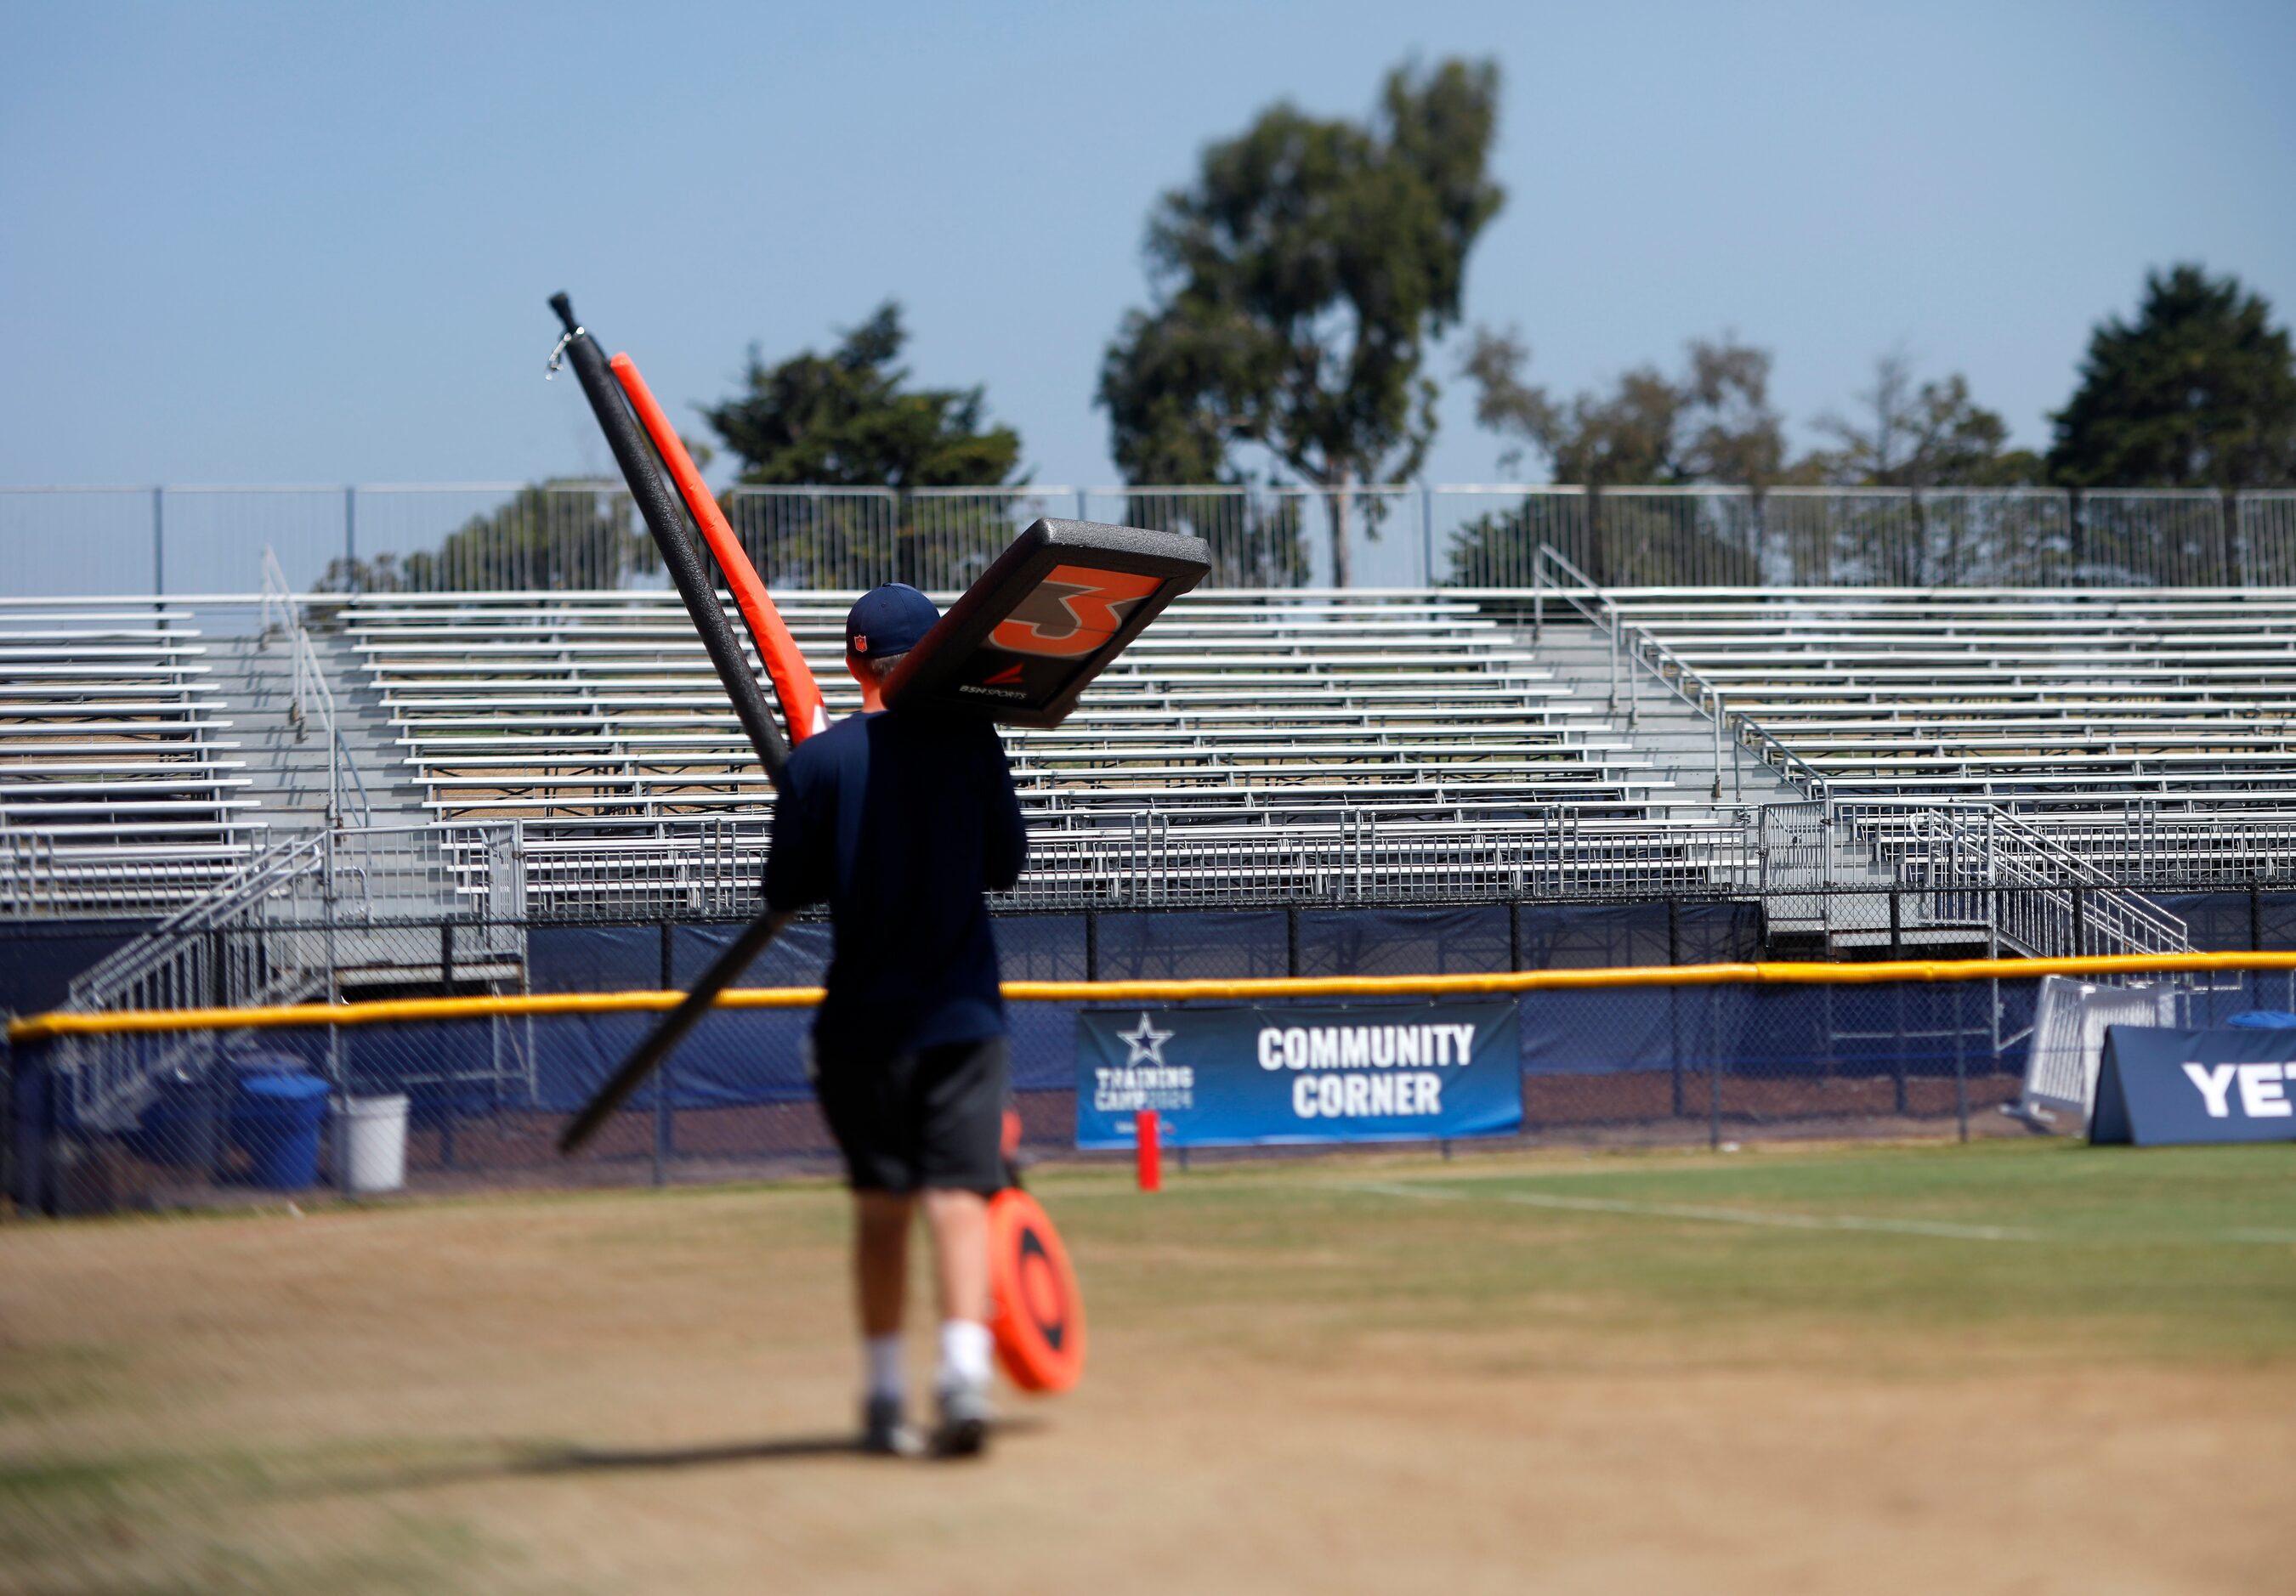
{"points": [[585, 535], [476, 1100], [459, 1076]]}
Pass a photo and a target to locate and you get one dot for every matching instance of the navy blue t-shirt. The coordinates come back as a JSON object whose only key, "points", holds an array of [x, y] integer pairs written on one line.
{"points": [[900, 822]]}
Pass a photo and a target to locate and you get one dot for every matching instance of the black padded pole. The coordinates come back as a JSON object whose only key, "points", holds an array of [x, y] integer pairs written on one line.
{"points": [[665, 520], [723, 972]]}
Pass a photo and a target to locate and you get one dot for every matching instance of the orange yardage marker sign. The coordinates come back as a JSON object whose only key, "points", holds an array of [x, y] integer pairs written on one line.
{"points": [[1073, 611]]}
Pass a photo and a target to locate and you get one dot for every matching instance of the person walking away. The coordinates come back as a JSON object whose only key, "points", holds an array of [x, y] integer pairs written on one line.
{"points": [[900, 822]]}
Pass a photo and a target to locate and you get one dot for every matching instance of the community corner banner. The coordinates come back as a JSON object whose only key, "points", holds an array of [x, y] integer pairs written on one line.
{"points": [[1230, 1078]]}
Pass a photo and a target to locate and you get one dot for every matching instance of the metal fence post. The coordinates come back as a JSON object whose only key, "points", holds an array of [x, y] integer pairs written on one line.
{"points": [[1714, 1067], [1674, 996], [1427, 537], [350, 538], [217, 1094], [336, 1074], [1960, 1064], [159, 540], [662, 1124], [1898, 1071], [450, 1106]]}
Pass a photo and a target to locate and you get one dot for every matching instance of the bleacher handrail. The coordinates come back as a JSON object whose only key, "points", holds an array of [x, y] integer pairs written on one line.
{"points": [[280, 610], [1967, 851], [1709, 699]]}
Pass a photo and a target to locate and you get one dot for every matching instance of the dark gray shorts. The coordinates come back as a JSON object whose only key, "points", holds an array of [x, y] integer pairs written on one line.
{"points": [[932, 1118]]}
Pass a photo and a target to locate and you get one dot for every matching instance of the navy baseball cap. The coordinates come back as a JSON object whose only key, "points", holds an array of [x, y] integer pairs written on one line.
{"points": [[891, 619]]}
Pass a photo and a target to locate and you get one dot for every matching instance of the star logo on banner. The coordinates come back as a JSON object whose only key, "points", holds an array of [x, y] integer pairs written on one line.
{"points": [[1145, 1044]]}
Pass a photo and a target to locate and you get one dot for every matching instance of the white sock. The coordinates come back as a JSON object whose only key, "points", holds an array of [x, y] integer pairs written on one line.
{"points": [[964, 1353], [887, 1377]]}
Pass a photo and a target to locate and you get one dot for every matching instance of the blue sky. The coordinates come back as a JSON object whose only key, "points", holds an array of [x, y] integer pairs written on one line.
{"points": [[311, 244]]}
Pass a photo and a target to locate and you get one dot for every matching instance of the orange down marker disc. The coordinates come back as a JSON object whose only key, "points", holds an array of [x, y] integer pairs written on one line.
{"points": [[1039, 1313]]}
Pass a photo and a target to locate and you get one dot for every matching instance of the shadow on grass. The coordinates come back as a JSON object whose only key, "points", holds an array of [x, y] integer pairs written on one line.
{"points": [[535, 1461]]}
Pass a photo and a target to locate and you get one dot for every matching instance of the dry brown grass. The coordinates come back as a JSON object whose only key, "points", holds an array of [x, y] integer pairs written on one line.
{"points": [[1295, 1384]]}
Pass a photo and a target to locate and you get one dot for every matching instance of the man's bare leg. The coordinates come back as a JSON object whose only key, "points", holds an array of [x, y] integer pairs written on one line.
{"points": [[882, 1222], [959, 1223], [880, 1259]]}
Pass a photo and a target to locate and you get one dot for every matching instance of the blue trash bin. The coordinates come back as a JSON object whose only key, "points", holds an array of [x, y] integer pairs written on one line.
{"points": [[238, 1070], [269, 1063], [277, 1121], [182, 1129]]}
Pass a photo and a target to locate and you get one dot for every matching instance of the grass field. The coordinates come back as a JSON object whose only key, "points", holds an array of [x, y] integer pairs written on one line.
{"points": [[2012, 1367]]}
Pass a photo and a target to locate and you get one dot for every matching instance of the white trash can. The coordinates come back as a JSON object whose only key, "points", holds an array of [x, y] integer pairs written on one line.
{"points": [[373, 1142]]}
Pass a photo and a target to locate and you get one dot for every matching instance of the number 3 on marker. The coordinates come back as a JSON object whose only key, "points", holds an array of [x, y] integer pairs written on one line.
{"points": [[1073, 611]]}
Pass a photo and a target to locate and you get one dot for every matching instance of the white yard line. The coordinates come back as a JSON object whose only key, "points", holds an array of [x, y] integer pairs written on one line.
{"points": [[1800, 1221], [1753, 1216], [1469, 1192]]}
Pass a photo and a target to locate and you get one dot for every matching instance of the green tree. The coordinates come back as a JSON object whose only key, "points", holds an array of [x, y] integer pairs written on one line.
{"points": [[557, 535], [2198, 391], [1907, 433], [1297, 281], [1711, 422], [1910, 434], [848, 419]]}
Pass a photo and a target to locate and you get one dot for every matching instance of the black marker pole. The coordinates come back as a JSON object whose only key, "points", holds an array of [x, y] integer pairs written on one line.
{"points": [[665, 518], [648, 1055]]}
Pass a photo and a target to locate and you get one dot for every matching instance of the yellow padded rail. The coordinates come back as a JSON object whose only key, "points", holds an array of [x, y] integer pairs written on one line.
{"points": [[41, 1027]]}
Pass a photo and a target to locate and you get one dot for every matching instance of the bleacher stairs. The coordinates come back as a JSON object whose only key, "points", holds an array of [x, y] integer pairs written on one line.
{"points": [[391, 865], [287, 753], [1709, 780]]}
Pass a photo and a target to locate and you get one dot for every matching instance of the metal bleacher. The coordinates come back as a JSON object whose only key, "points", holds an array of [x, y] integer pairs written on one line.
{"points": [[2152, 731], [116, 788], [1408, 745], [1242, 727]]}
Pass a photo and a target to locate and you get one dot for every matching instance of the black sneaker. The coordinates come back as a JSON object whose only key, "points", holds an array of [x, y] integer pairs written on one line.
{"points": [[966, 1416], [885, 1432]]}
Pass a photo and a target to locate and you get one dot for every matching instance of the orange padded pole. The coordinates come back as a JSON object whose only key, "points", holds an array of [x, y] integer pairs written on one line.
{"points": [[793, 684]]}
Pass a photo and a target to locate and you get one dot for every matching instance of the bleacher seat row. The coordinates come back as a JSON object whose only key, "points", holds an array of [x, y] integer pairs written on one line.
{"points": [[586, 706], [2074, 707], [1265, 725], [111, 764]]}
